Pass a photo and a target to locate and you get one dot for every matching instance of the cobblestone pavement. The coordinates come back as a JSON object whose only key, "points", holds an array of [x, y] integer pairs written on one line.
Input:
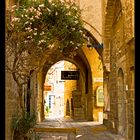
{"points": [[67, 129]]}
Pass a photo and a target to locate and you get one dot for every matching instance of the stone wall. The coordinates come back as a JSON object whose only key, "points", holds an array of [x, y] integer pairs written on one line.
{"points": [[69, 87], [97, 78], [11, 103], [92, 17], [9, 3], [119, 46]]}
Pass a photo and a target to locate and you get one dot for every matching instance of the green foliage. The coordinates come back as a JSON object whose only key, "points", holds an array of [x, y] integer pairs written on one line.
{"points": [[42, 24], [47, 109], [24, 123]]}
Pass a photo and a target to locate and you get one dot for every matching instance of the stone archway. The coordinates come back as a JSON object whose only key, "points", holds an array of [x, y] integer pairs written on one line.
{"points": [[87, 69], [85, 78], [121, 104], [88, 83], [80, 59]]}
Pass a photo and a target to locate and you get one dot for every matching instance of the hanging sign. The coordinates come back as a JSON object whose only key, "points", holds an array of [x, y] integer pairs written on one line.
{"points": [[98, 79], [69, 75], [47, 87]]}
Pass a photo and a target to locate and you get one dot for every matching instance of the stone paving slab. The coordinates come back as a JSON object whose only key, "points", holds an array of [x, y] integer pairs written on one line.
{"points": [[68, 129], [71, 136]]}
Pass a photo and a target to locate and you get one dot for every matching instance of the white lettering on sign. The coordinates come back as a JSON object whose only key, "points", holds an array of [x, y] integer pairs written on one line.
{"points": [[98, 79]]}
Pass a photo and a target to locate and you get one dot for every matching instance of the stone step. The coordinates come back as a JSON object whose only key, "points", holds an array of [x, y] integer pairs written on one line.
{"points": [[116, 137], [100, 128], [59, 130]]}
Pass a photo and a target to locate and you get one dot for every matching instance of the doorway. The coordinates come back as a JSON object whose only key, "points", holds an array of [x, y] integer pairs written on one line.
{"points": [[57, 91]]}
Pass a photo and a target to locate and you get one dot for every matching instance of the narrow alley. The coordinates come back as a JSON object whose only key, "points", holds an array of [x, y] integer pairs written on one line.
{"points": [[70, 70]]}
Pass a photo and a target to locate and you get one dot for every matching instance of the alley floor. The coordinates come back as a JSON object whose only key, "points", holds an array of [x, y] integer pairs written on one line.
{"points": [[68, 129]]}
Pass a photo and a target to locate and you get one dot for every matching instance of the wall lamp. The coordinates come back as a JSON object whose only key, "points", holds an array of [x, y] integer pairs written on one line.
{"points": [[92, 44], [97, 46]]}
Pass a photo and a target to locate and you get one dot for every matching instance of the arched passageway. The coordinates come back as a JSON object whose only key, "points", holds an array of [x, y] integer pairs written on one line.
{"points": [[78, 87], [60, 82], [88, 61]]}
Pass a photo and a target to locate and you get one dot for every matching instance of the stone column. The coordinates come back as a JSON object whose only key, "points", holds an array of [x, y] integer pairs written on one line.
{"points": [[90, 99], [40, 107]]}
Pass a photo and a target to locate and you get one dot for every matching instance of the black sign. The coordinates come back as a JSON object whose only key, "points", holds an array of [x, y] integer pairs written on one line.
{"points": [[69, 75]]}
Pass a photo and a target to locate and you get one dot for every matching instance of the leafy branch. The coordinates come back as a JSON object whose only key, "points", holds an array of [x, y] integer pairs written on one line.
{"points": [[34, 31]]}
